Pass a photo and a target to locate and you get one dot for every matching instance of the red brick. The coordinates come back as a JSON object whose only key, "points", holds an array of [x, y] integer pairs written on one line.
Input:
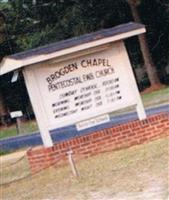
{"points": [[146, 134], [117, 137], [138, 128], [131, 134], [64, 151], [85, 144], [126, 132], [112, 140], [142, 140], [142, 131], [87, 152], [121, 137], [118, 142], [91, 146], [132, 143], [107, 137], [101, 143], [112, 130], [160, 126]]}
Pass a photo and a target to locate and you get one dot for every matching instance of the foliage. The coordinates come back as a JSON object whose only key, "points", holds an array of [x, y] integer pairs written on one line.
{"points": [[31, 25], [35, 23]]}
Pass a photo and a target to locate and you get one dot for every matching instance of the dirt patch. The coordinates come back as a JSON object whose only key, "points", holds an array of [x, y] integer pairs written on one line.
{"points": [[13, 157], [153, 88]]}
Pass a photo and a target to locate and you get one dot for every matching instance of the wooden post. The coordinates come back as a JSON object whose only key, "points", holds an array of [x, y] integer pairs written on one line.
{"points": [[17, 116], [18, 125], [35, 97], [133, 85]]}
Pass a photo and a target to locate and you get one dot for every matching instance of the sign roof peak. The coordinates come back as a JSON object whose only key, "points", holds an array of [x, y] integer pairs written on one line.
{"points": [[65, 47]]}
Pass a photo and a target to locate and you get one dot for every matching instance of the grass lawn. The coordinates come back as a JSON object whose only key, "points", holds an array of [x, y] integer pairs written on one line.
{"points": [[26, 127], [138, 173], [156, 98], [149, 100]]}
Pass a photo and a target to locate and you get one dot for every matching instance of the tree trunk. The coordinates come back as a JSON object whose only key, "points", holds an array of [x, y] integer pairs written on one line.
{"points": [[3, 110], [148, 62], [2, 34]]}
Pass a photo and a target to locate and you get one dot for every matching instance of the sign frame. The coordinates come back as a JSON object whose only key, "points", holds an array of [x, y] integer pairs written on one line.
{"points": [[36, 96]]}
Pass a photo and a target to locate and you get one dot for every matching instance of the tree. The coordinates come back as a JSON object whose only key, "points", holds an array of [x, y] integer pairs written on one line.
{"points": [[148, 61], [3, 110]]}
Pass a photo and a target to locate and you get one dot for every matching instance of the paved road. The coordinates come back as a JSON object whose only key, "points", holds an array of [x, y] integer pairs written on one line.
{"points": [[66, 133]]}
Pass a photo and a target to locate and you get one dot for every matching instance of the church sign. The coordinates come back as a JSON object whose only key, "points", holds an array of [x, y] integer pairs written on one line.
{"points": [[80, 81]]}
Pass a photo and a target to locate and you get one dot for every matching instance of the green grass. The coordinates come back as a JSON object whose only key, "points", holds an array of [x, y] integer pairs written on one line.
{"points": [[149, 100], [156, 98], [26, 127], [8, 132], [4, 152]]}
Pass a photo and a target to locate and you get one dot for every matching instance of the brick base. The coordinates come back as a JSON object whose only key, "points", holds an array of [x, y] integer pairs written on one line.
{"points": [[117, 137]]}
